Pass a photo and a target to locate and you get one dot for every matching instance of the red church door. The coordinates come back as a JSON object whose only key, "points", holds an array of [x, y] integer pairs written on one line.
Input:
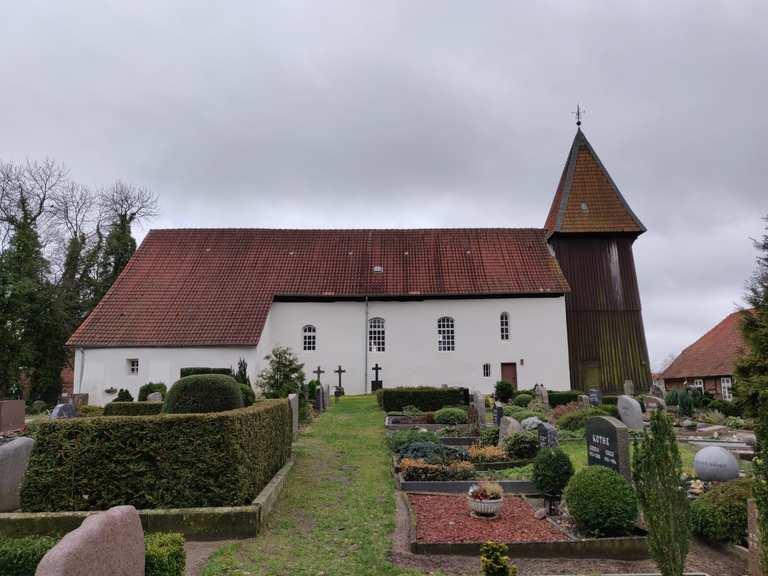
{"points": [[509, 373]]}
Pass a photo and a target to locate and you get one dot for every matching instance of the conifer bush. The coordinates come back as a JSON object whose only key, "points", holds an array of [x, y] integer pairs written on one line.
{"points": [[494, 561], [203, 393], [521, 445], [552, 470], [504, 391]]}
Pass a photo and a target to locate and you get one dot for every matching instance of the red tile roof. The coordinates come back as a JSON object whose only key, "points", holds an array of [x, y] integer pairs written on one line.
{"points": [[587, 200], [714, 354], [215, 287]]}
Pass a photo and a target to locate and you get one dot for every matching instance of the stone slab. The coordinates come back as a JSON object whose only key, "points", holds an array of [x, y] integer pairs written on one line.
{"points": [[630, 412], [14, 457], [507, 426], [716, 463], [293, 402], [110, 543], [11, 416]]}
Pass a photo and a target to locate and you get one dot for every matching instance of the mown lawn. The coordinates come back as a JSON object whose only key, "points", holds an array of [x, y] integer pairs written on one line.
{"points": [[336, 514]]}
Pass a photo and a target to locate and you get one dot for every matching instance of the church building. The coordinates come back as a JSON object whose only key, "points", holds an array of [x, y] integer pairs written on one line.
{"points": [[557, 305]]}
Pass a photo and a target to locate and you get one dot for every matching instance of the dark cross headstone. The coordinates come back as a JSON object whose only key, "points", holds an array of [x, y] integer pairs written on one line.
{"points": [[317, 372], [595, 396], [608, 444], [339, 389], [548, 436], [319, 403], [376, 384]]}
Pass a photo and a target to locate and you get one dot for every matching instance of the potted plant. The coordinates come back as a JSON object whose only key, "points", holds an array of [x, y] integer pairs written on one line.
{"points": [[486, 499]]}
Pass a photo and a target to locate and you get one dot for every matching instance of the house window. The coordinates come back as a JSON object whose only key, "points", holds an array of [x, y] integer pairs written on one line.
{"points": [[725, 388], [698, 384], [446, 338], [504, 325], [376, 336], [486, 370], [133, 366], [310, 338]]}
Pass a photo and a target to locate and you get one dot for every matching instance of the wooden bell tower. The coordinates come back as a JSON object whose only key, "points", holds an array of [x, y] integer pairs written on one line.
{"points": [[591, 229]]}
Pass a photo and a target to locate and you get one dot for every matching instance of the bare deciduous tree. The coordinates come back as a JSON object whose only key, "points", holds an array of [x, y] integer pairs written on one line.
{"points": [[123, 201]]}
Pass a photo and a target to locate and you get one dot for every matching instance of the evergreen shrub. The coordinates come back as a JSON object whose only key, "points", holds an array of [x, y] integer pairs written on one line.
{"points": [[494, 561], [559, 397], [725, 407], [504, 391], [123, 395], [247, 393], [489, 436], [133, 408], [601, 502], [433, 452], [552, 469], [399, 441], [424, 398], [184, 372], [519, 413], [521, 445], [165, 461], [522, 400], [164, 554], [720, 515], [20, 556], [202, 393], [578, 419], [451, 416], [672, 397], [685, 403], [151, 387]]}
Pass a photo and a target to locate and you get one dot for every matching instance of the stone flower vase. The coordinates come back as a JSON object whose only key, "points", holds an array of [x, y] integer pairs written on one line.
{"points": [[487, 508]]}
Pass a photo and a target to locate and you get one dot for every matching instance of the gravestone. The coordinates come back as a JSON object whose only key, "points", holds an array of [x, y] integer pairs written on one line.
{"points": [[548, 436], [584, 401], [79, 400], [630, 412], [479, 401], [11, 416], [753, 538], [595, 396], [657, 389], [319, 404], [716, 463], [155, 397], [541, 394], [293, 401], [62, 412], [608, 444], [498, 412], [653, 403], [14, 457], [327, 397], [629, 388], [508, 426], [531, 423]]}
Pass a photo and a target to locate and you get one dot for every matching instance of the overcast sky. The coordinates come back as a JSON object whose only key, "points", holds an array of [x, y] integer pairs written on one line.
{"points": [[413, 114]]}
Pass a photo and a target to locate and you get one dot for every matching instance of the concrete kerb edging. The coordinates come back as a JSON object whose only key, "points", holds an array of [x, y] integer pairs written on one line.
{"points": [[215, 523]]}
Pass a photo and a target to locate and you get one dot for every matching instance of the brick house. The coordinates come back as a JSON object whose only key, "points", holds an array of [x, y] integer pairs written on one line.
{"points": [[709, 363]]}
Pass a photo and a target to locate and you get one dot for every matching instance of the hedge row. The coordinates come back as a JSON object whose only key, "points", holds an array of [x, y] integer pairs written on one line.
{"points": [[200, 370], [424, 398], [133, 408], [163, 554], [165, 461]]}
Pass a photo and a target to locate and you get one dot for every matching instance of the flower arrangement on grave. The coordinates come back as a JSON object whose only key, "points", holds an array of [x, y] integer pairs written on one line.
{"points": [[485, 498]]}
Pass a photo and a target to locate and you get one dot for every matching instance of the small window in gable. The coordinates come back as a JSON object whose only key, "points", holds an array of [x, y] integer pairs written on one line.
{"points": [[486, 370], [376, 335], [133, 366], [446, 337], [504, 325], [310, 338]]}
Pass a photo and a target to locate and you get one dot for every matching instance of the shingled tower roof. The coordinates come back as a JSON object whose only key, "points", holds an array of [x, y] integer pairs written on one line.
{"points": [[587, 200]]}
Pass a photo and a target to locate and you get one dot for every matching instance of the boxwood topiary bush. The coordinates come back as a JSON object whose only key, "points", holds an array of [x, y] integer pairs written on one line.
{"points": [[521, 445], [601, 502], [20, 556], [151, 387], [165, 461], [578, 419], [163, 554], [522, 400], [123, 395], [504, 391], [424, 398], [552, 469], [203, 393], [133, 408], [451, 416], [720, 515]]}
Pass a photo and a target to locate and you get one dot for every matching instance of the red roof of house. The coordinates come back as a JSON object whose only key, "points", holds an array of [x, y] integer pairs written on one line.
{"points": [[714, 354], [587, 200], [215, 287]]}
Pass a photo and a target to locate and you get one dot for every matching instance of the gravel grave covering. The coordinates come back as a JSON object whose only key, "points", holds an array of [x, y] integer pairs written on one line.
{"points": [[446, 519]]}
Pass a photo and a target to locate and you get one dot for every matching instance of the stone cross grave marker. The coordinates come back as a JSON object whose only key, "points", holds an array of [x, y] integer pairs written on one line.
{"points": [[608, 444], [498, 412], [507, 426], [339, 389], [548, 436], [595, 396], [317, 372], [479, 401], [629, 388], [62, 412], [293, 401], [376, 383], [630, 412]]}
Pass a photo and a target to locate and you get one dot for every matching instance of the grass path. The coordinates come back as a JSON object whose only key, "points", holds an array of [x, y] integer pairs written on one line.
{"points": [[336, 514]]}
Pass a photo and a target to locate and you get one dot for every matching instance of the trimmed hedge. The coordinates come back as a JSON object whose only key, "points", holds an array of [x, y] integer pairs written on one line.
{"points": [[151, 387], [165, 461], [133, 408], [20, 556], [424, 398], [184, 372], [202, 393], [559, 397], [163, 554]]}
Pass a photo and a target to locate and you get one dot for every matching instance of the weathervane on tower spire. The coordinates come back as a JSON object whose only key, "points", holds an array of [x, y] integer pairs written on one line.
{"points": [[579, 114]]}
